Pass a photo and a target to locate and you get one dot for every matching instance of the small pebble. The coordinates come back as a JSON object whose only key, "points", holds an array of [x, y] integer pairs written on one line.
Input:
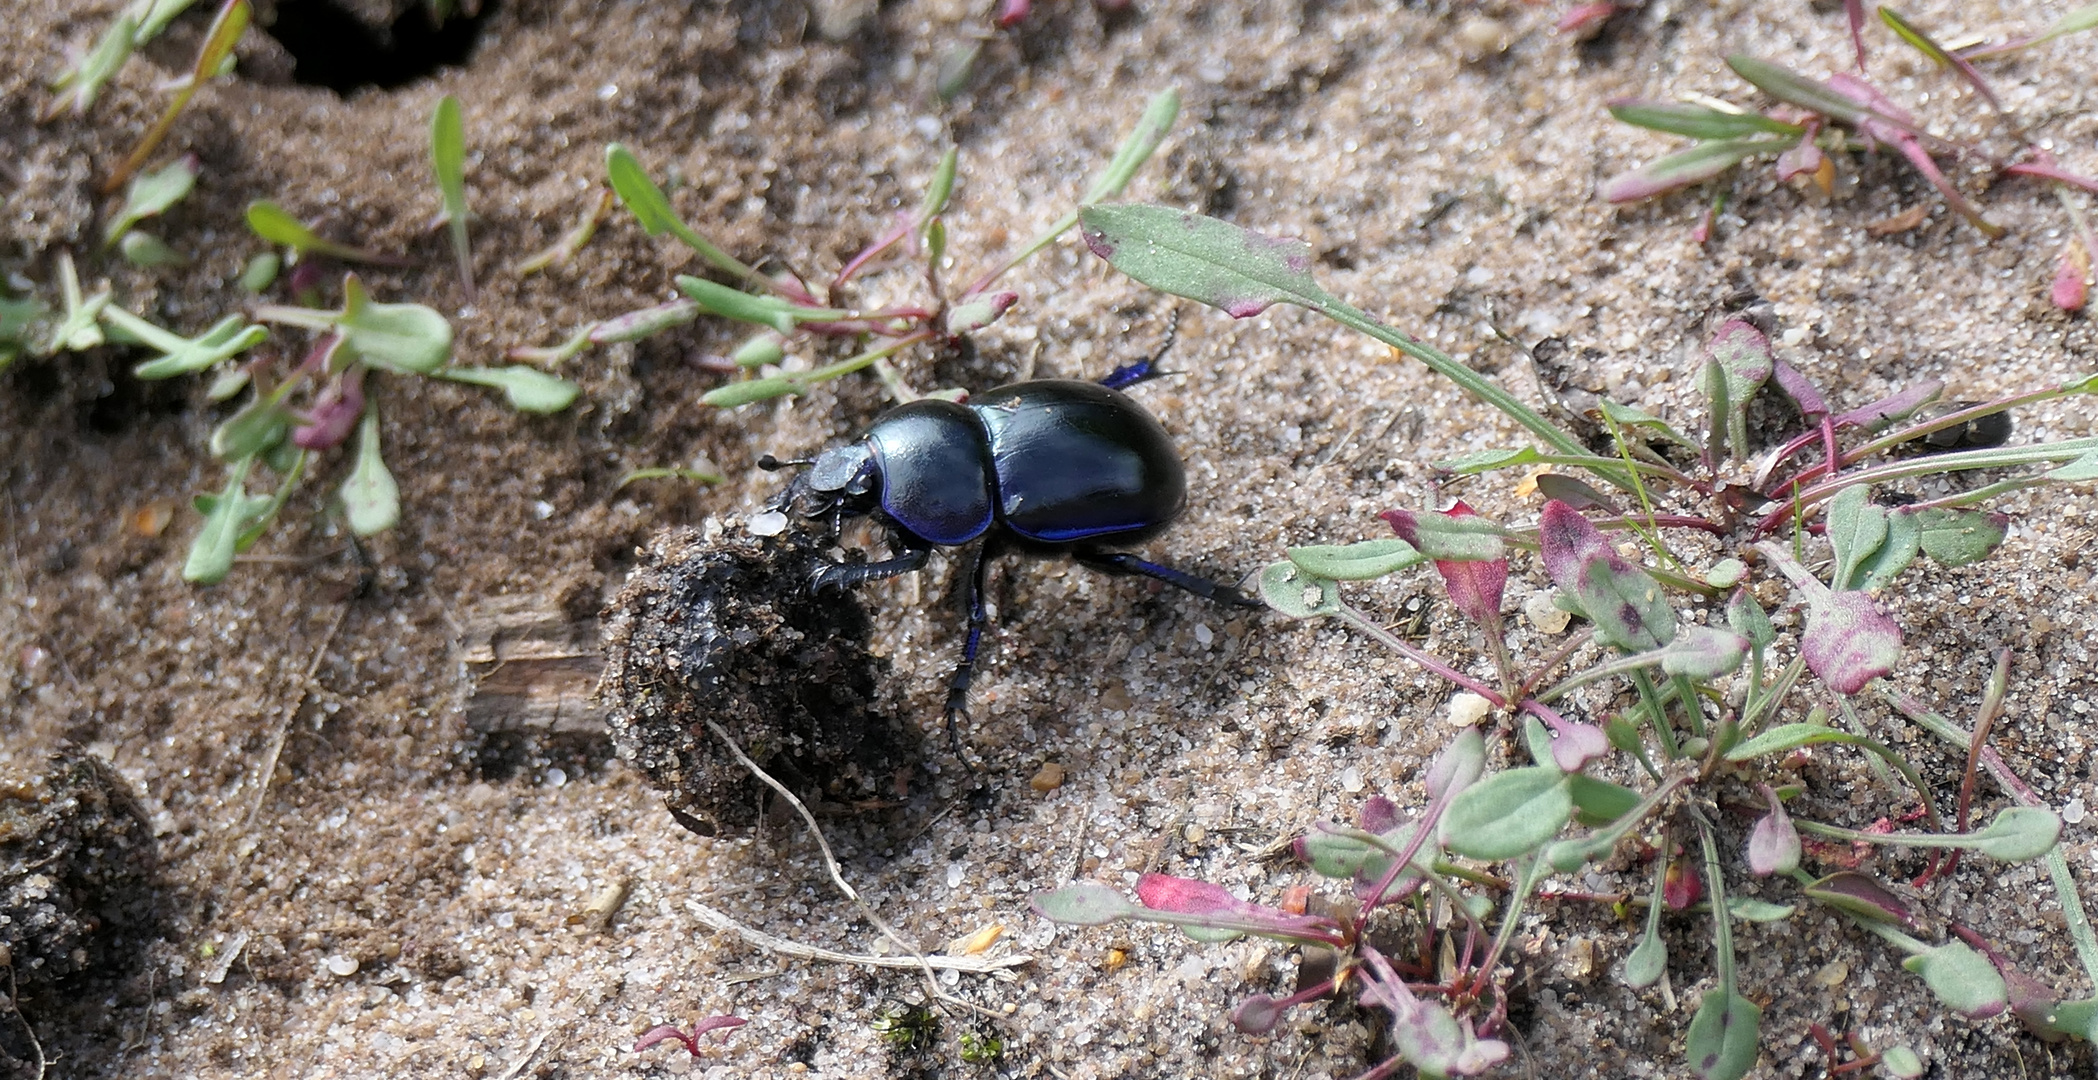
{"points": [[1543, 615], [1467, 708], [1048, 778], [2072, 811], [342, 966], [768, 523]]}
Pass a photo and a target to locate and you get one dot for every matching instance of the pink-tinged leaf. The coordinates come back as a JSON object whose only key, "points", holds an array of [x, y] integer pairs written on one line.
{"points": [[1704, 653], [1163, 892], [2071, 278], [1804, 158], [1475, 586], [1682, 885], [1257, 1015], [1773, 845], [1577, 745], [1850, 641], [1379, 815], [1854, 11], [1011, 12], [1890, 123], [1566, 540], [1684, 168], [335, 412], [1582, 19], [1860, 895], [1802, 392], [1887, 410], [1457, 767], [1456, 535], [1744, 356], [2045, 167], [688, 1039]]}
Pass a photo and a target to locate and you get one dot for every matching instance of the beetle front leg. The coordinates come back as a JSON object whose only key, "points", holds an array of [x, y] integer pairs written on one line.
{"points": [[1121, 562], [830, 575]]}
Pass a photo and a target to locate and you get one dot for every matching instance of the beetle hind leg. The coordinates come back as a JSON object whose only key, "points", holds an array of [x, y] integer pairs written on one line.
{"points": [[1121, 562], [957, 709]]}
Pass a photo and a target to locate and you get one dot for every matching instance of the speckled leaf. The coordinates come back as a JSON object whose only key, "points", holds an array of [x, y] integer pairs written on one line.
{"points": [[2019, 833], [1508, 814], [1856, 528], [1747, 619], [1356, 562], [1904, 540], [1086, 903], [1704, 653], [1962, 979], [1291, 591], [1722, 1038], [1850, 641], [1961, 537], [1448, 536], [1235, 270]]}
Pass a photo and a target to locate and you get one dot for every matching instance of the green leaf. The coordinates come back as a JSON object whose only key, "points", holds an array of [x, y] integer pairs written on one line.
{"points": [[261, 271], [1298, 594], [227, 516], [1750, 909], [1151, 129], [1356, 562], [276, 225], [1488, 461], [1856, 528], [780, 314], [1797, 89], [1625, 603], [370, 498], [1683, 168], [2075, 470], [399, 337], [652, 209], [1508, 814], [1721, 1042], [1904, 540], [1599, 802], [1234, 270], [1785, 738], [83, 83], [1746, 617], [749, 391], [1699, 121], [2083, 18], [1646, 962], [1704, 653], [152, 193], [1961, 537], [1901, 1063], [2019, 833], [258, 426], [1626, 416], [228, 337], [1962, 979], [527, 388], [149, 252], [1087, 903], [448, 163]]}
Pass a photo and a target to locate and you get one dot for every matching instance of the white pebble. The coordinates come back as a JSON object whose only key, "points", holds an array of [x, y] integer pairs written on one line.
{"points": [[1467, 708], [769, 523], [1543, 615], [2072, 811], [342, 966]]}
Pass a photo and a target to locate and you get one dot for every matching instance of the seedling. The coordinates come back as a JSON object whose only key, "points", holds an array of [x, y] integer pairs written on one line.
{"points": [[151, 194], [791, 315], [214, 58], [276, 225], [1846, 114], [687, 1039], [1708, 700], [448, 162], [140, 21]]}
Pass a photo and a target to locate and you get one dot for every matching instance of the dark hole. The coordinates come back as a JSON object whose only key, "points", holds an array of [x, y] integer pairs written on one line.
{"points": [[331, 47]]}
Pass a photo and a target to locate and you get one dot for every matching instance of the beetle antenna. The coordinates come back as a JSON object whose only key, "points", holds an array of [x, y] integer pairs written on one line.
{"points": [[772, 464], [1145, 370]]}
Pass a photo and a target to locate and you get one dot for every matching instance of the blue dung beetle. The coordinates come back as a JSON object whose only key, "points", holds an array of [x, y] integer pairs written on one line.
{"points": [[1045, 467]]}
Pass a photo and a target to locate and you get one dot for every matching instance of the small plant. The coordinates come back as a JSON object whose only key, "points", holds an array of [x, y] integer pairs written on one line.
{"points": [[1695, 716], [1847, 114], [791, 315], [687, 1038]]}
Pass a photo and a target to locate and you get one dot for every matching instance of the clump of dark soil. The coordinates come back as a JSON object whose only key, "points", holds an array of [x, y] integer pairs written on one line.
{"points": [[718, 624], [77, 893]]}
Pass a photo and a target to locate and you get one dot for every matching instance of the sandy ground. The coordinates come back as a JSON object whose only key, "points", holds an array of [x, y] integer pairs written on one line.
{"points": [[398, 897]]}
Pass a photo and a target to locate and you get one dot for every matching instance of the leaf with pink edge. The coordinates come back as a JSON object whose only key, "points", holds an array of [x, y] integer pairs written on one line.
{"points": [[1850, 641]]}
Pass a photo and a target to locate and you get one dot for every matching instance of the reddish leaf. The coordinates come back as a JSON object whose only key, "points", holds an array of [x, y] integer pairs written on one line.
{"points": [[1850, 642]]}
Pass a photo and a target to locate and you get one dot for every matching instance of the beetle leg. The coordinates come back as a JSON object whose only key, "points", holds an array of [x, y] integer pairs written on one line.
{"points": [[958, 689], [1121, 562], [830, 575]]}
